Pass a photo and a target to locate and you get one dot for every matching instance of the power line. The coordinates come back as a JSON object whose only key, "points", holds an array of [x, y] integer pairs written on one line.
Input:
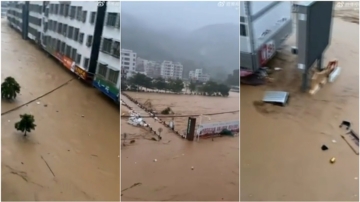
{"points": [[33, 100]]}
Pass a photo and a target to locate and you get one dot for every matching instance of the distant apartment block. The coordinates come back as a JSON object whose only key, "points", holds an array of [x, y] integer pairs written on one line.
{"points": [[170, 70], [198, 75], [128, 62]]}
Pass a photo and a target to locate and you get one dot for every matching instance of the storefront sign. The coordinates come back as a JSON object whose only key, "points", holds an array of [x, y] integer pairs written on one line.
{"points": [[68, 63], [80, 72], [107, 88], [214, 128]]}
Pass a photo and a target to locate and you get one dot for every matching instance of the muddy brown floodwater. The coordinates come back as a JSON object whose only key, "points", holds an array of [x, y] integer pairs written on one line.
{"points": [[82, 152], [280, 152], [215, 176]]}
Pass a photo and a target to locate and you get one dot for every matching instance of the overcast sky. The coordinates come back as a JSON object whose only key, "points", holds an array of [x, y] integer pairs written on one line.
{"points": [[185, 15]]}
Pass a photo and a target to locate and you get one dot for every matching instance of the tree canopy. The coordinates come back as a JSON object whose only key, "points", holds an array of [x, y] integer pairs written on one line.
{"points": [[10, 88], [210, 88]]}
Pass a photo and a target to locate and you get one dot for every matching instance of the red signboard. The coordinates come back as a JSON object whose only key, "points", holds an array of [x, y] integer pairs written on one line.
{"points": [[266, 52]]}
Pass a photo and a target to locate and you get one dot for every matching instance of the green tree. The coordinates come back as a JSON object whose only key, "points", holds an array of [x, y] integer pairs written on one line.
{"points": [[123, 85], [10, 88], [141, 80], [209, 88], [26, 124], [223, 89], [176, 86], [192, 86], [160, 83]]}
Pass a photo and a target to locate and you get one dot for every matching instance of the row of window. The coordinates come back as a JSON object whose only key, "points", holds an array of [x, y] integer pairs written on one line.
{"points": [[107, 73], [69, 32], [14, 21], [15, 13], [76, 12], [59, 46], [66, 50], [34, 20], [35, 8], [34, 32]]}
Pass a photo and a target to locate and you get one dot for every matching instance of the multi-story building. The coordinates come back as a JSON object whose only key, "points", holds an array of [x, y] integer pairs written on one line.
{"points": [[178, 70], [4, 8], [36, 10], [198, 75], [83, 36], [14, 15], [128, 62], [170, 70]]}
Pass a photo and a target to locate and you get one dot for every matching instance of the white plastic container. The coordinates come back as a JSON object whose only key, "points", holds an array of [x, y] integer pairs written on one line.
{"points": [[334, 74]]}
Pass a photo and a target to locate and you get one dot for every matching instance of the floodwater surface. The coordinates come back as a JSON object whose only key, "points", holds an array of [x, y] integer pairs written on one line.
{"points": [[74, 152], [281, 156], [175, 169]]}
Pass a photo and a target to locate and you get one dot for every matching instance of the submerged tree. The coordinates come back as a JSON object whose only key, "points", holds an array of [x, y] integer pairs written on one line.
{"points": [[10, 88], [26, 124]]}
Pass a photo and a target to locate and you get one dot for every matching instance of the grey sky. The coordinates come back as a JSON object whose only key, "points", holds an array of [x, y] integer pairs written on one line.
{"points": [[186, 15]]}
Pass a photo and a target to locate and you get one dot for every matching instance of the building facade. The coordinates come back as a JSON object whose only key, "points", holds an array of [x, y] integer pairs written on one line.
{"points": [[170, 70], [198, 75], [83, 36], [128, 62]]}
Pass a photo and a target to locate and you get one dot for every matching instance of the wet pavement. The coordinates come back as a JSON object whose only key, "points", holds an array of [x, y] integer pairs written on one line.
{"points": [[77, 132]]}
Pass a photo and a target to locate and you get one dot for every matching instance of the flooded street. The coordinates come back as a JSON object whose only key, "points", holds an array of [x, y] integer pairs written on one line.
{"points": [[281, 156], [77, 132], [215, 173]]}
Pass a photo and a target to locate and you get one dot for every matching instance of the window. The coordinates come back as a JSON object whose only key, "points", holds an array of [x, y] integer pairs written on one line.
{"points": [[72, 12], [89, 40], [76, 34], [81, 38], [50, 24], [54, 26], [70, 32], [53, 43], [56, 9], [84, 14], [106, 45], [68, 51], [73, 53], [79, 13], [63, 45], [66, 11], [102, 69], [86, 63], [51, 8], [58, 44], [59, 28], [64, 29], [78, 59], [243, 30], [117, 25], [116, 49], [62, 9], [113, 76], [111, 19], [92, 17]]}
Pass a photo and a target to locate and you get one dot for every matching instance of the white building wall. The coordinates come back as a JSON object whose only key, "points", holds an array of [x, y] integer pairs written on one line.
{"points": [[87, 28], [12, 7], [128, 61], [37, 15]]}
